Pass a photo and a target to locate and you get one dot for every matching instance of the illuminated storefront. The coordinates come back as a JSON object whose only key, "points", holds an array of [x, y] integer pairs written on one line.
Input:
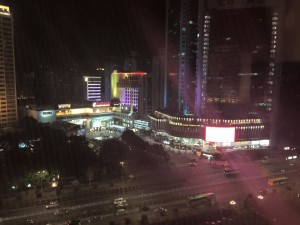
{"points": [[242, 133]]}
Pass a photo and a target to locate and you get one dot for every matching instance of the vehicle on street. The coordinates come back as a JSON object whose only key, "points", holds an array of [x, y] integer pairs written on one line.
{"points": [[192, 164], [75, 182], [28, 222], [121, 212], [121, 205], [52, 205], [277, 181], [263, 192], [95, 219], [229, 171], [74, 222], [206, 199], [60, 212], [161, 211], [119, 201]]}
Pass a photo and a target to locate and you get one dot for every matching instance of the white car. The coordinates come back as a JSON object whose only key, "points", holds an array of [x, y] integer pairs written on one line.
{"points": [[121, 205], [119, 201], [121, 212], [52, 205]]}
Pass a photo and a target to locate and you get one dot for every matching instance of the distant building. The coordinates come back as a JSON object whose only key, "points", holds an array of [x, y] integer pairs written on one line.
{"points": [[93, 88], [8, 99], [129, 88]]}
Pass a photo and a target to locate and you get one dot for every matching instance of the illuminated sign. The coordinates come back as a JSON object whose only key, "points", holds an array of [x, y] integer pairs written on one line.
{"points": [[47, 113], [220, 134], [64, 106], [99, 104], [4, 10]]}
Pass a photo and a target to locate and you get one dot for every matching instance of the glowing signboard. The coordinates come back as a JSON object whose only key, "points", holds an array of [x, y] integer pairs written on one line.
{"points": [[4, 10], [220, 134], [99, 104], [64, 106]]}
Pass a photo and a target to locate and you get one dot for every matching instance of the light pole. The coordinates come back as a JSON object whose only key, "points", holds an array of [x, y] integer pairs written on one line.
{"points": [[122, 165]]}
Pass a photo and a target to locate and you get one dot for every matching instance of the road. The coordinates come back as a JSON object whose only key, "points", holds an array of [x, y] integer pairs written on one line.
{"points": [[183, 180]]}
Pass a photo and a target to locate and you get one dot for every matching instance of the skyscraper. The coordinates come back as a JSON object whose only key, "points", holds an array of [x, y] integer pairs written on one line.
{"points": [[8, 100], [181, 46], [238, 63], [226, 59]]}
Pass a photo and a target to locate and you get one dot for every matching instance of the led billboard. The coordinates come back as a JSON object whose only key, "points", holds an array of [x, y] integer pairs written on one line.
{"points": [[219, 134]]}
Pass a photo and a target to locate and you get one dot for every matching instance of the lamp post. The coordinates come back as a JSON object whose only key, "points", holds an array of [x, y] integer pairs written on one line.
{"points": [[122, 165]]}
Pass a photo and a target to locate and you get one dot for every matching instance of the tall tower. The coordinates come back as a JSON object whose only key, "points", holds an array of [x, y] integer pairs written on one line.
{"points": [[239, 59], [180, 47], [8, 100], [238, 55]]}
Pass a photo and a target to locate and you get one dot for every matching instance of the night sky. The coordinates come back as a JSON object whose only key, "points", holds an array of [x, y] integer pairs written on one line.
{"points": [[65, 32]]}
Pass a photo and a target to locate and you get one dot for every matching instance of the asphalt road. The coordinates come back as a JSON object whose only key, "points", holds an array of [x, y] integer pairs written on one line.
{"points": [[205, 177]]}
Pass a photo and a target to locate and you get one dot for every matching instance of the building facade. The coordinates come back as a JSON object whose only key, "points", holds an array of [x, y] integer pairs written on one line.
{"points": [[93, 88], [224, 58], [8, 99]]}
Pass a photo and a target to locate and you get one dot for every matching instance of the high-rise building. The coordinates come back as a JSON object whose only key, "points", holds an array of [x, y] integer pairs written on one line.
{"points": [[226, 59], [238, 62], [8, 99], [181, 49]]}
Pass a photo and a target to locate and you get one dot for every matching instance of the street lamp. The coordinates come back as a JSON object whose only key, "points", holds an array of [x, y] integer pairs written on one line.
{"points": [[122, 165]]}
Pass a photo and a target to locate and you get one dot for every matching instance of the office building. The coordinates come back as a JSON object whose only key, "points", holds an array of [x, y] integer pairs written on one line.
{"points": [[8, 99], [93, 88], [227, 54]]}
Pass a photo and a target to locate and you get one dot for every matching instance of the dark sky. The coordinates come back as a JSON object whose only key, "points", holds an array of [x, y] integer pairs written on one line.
{"points": [[65, 32]]}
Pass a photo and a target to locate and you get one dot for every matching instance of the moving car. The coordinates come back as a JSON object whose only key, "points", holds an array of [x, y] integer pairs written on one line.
{"points": [[29, 222], [122, 205], [119, 201], [60, 212], [74, 222], [94, 219], [161, 211], [121, 212], [52, 205]]}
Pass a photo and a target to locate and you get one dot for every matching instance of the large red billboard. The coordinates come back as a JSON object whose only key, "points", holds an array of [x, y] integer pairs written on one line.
{"points": [[219, 134]]}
